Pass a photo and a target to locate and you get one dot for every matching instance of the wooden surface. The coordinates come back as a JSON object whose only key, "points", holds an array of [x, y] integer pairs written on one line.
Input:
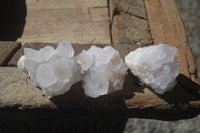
{"points": [[21, 100], [18, 93], [7, 49], [132, 7], [79, 21], [128, 29], [129, 22], [124, 49], [167, 27]]}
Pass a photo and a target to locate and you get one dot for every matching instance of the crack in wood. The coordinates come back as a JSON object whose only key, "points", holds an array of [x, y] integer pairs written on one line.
{"points": [[11, 54]]}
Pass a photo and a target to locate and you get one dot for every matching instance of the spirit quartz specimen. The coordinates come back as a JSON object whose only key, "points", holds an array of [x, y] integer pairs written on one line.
{"points": [[103, 70], [155, 66], [56, 70], [53, 70]]}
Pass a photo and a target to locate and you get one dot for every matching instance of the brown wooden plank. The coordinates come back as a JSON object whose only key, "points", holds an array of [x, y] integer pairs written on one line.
{"points": [[124, 49], [78, 21], [61, 4], [129, 22], [129, 29], [18, 95], [7, 49], [167, 27], [98, 14], [17, 92], [132, 7]]}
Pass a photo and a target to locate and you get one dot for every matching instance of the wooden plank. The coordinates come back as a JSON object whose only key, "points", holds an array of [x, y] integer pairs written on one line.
{"points": [[167, 27], [128, 29], [20, 99], [124, 49], [132, 7], [17, 92], [7, 50], [78, 21], [99, 14], [129, 22], [62, 4]]}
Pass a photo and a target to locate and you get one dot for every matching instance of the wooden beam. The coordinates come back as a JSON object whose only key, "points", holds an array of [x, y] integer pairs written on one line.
{"points": [[124, 49], [129, 22], [21, 100], [61, 4], [17, 92], [7, 50], [167, 27], [79, 21]]}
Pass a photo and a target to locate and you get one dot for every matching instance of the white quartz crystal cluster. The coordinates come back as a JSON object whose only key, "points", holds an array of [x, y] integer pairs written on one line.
{"points": [[56, 70], [53, 70], [155, 66], [101, 69], [104, 70]]}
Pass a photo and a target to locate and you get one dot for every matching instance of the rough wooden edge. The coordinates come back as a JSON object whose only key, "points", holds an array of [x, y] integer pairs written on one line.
{"points": [[7, 50], [167, 27]]}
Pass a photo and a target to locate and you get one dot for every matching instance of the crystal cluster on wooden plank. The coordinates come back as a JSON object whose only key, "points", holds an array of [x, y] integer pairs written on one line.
{"points": [[101, 70], [53, 70], [56, 70], [155, 66], [104, 70]]}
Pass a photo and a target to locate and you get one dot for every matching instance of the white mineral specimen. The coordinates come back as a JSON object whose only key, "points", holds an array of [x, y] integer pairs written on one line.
{"points": [[155, 66], [56, 70], [53, 70], [104, 70]]}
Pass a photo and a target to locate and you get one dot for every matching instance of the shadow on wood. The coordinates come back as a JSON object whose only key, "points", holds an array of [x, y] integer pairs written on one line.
{"points": [[96, 110], [182, 97], [185, 91], [76, 100]]}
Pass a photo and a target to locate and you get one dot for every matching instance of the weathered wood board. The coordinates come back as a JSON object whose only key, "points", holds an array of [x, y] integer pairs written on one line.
{"points": [[17, 92], [60, 4], [7, 50], [78, 21], [167, 27], [21, 100], [129, 22], [124, 49]]}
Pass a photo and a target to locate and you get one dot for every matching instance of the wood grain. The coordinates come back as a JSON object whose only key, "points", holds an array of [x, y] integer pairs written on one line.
{"points": [[7, 50], [129, 22], [78, 21], [61, 4], [18, 93], [123, 49], [167, 27], [132, 7], [128, 29]]}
